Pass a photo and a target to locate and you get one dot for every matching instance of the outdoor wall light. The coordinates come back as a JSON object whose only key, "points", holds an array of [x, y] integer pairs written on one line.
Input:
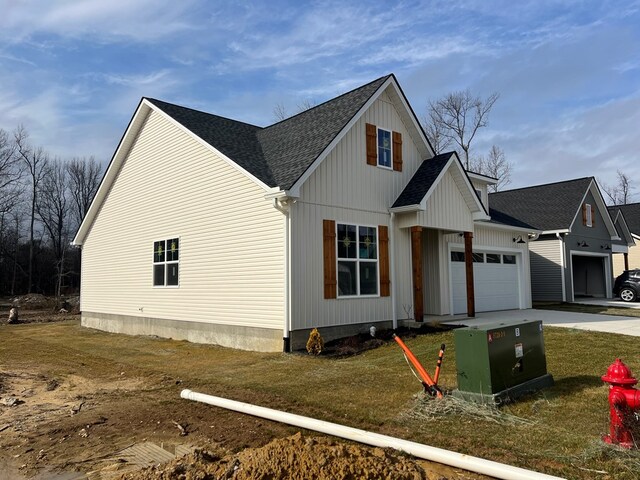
{"points": [[583, 244], [606, 246], [519, 239]]}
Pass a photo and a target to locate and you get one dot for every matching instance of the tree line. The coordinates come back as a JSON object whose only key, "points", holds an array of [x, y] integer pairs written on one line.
{"points": [[43, 200]]}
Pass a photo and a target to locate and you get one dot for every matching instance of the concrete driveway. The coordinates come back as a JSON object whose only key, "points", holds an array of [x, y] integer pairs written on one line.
{"points": [[581, 321], [608, 302]]}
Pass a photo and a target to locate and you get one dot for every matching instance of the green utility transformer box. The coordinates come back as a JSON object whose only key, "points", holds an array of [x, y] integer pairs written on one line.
{"points": [[501, 361]]}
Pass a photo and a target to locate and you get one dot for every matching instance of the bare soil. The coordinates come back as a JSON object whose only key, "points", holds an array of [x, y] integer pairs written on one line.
{"points": [[66, 412]]}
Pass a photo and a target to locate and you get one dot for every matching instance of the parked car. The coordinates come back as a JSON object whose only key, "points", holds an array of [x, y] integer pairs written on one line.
{"points": [[627, 286]]}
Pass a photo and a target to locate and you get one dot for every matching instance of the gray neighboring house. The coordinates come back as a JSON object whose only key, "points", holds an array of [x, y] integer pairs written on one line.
{"points": [[572, 257], [627, 220]]}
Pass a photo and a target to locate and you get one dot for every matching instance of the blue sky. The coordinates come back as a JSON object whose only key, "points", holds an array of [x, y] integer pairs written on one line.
{"points": [[568, 72]]}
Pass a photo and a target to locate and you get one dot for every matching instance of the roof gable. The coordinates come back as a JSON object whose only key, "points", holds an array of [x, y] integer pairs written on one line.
{"points": [[631, 212], [236, 140], [278, 157], [549, 207], [425, 180], [621, 225]]}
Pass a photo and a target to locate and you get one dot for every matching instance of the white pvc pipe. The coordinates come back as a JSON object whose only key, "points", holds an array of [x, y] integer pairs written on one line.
{"points": [[434, 454]]}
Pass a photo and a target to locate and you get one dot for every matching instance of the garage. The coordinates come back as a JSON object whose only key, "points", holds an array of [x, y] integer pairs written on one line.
{"points": [[496, 281], [588, 276]]}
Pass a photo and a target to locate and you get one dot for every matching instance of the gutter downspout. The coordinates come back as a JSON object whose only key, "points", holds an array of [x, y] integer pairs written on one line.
{"points": [[563, 259], [434, 454], [392, 266], [285, 209]]}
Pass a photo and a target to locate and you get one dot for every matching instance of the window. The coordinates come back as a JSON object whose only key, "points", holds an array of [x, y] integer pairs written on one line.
{"points": [[493, 258], [165, 262], [509, 259], [384, 148], [457, 256], [357, 260], [478, 257]]}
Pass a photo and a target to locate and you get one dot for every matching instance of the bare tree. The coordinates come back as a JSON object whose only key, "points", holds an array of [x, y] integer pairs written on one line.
{"points": [[435, 133], [620, 192], [10, 173], [459, 116], [84, 176], [53, 210], [280, 111], [35, 160], [494, 165]]}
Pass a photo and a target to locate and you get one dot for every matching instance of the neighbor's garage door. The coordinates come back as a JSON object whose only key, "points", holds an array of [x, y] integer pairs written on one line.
{"points": [[588, 276], [495, 279]]}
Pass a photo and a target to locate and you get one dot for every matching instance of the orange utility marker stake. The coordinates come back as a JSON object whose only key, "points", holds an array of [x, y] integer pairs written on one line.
{"points": [[427, 381], [439, 364]]}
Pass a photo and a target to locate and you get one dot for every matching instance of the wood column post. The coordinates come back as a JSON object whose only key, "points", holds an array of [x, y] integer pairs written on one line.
{"points": [[468, 264], [626, 261], [416, 264]]}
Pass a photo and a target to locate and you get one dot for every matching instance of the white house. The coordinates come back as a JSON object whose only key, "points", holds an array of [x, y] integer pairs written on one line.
{"points": [[341, 217]]}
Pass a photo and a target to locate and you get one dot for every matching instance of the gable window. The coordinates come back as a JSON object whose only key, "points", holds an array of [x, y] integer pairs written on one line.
{"points": [[384, 148], [357, 249], [166, 259]]}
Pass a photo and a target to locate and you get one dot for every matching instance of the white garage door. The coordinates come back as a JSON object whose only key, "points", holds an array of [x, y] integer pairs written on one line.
{"points": [[495, 279]]}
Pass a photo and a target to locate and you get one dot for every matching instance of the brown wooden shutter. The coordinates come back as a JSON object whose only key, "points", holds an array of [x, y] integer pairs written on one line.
{"points": [[584, 214], [372, 145], [593, 216], [397, 151], [383, 252], [329, 251]]}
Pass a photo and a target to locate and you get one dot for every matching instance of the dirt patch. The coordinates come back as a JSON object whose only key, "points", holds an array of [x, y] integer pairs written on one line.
{"points": [[355, 344], [297, 457]]}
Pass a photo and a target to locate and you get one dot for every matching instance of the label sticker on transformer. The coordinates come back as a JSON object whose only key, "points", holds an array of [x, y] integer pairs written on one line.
{"points": [[519, 350], [517, 332]]}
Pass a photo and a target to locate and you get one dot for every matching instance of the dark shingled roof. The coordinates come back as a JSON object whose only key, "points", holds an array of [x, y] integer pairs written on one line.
{"points": [[545, 207], [631, 212], [422, 180], [279, 154], [501, 218]]}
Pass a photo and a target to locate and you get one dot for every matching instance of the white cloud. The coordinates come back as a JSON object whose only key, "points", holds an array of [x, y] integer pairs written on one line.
{"points": [[142, 20]]}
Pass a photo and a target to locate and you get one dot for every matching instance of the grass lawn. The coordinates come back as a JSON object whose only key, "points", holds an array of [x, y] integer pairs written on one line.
{"points": [[556, 431]]}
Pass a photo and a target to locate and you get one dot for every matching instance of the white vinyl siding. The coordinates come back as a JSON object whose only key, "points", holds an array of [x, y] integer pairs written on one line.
{"points": [[231, 238]]}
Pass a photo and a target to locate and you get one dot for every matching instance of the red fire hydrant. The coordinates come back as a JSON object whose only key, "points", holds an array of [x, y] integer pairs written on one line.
{"points": [[624, 405]]}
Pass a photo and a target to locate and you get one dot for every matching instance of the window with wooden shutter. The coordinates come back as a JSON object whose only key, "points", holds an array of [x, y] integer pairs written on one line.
{"points": [[383, 248], [593, 216], [397, 151], [372, 145], [329, 252]]}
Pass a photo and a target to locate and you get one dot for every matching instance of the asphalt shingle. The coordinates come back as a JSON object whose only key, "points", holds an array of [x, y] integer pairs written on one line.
{"points": [[631, 212], [279, 154], [545, 207], [422, 180]]}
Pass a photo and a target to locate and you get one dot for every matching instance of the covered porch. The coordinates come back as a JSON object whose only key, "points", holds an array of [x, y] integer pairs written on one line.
{"points": [[437, 202]]}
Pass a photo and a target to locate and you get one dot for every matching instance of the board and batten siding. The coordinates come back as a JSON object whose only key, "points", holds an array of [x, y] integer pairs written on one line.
{"points": [[546, 269], [231, 269], [345, 189]]}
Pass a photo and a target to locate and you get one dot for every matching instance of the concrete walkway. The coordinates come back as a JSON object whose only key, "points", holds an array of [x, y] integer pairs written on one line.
{"points": [[581, 321]]}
